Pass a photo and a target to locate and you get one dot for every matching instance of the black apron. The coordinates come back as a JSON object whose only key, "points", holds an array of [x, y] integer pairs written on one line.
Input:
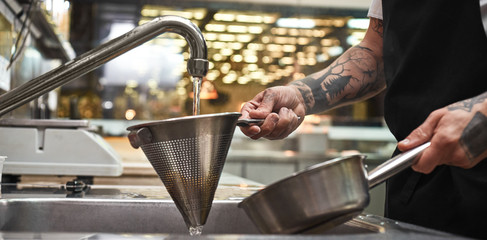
{"points": [[435, 54]]}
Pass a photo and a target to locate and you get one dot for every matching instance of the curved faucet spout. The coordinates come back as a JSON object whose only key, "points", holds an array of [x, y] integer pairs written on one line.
{"points": [[87, 62]]}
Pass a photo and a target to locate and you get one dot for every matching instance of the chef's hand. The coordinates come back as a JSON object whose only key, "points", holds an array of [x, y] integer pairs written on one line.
{"points": [[280, 107], [458, 135]]}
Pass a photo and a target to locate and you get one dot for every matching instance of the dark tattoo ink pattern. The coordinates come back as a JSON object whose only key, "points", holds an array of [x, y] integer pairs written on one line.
{"points": [[467, 105], [336, 86], [356, 68], [363, 48], [377, 26], [474, 136], [305, 93]]}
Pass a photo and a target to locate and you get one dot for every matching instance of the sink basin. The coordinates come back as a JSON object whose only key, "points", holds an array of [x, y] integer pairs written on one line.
{"points": [[47, 212], [60, 216], [124, 216], [124, 210], [115, 216]]}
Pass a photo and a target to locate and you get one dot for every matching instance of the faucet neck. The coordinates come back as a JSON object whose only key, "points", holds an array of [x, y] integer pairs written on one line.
{"points": [[87, 62], [198, 63]]}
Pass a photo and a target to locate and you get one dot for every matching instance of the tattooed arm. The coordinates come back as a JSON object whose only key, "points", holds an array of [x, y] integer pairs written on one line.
{"points": [[356, 75], [458, 135]]}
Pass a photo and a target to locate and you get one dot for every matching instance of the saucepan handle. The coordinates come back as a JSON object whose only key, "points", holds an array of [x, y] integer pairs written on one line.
{"points": [[395, 165]]}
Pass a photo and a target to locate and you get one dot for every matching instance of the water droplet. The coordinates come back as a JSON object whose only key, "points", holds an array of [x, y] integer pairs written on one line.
{"points": [[195, 231]]}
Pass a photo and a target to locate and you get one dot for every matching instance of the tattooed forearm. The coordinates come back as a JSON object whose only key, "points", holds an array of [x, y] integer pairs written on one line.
{"points": [[354, 76], [474, 139], [467, 105]]}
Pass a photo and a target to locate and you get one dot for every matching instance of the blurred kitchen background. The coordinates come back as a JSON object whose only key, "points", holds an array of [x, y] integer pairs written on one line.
{"points": [[252, 45]]}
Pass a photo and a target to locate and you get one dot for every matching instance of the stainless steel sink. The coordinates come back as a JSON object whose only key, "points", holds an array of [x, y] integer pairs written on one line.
{"points": [[142, 212], [78, 215], [104, 218], [120, 209], [114, 216]]}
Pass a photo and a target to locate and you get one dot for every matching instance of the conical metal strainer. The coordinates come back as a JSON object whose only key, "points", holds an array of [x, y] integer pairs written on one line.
{"points": [[188, 154]]}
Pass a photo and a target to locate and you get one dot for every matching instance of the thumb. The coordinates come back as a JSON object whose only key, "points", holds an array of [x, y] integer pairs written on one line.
{"points": [[421, 134]]}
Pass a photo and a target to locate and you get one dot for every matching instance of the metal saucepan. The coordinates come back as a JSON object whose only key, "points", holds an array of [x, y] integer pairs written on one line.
{"points": [[322, 196]]}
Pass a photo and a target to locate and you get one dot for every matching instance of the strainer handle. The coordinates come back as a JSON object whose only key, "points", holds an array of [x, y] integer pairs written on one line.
{"points": [[139, 137], [245, 122]]}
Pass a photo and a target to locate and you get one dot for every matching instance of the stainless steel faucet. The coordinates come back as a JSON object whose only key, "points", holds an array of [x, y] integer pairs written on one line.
{"points": [[87, 62]]}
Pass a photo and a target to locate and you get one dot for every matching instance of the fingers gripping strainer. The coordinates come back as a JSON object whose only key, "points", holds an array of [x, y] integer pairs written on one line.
{"points": [[188, 154]]}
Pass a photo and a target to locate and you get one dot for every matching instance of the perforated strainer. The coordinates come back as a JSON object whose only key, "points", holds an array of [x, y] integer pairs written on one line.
{"points": [[188, 154]]}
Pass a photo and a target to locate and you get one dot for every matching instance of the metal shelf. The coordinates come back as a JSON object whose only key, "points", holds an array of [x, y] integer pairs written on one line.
{"points": [[50, 44]]}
